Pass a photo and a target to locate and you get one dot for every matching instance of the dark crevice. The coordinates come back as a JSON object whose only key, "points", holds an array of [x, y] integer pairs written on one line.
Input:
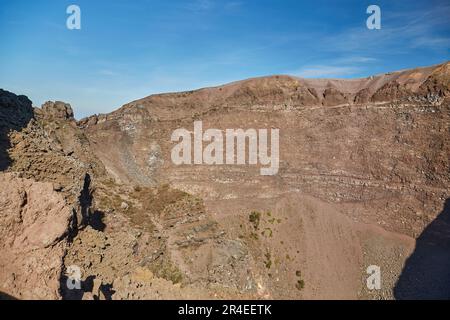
{"points": [[15, 114], [5, 296], [426, 274], [85, 199], [105, 291]]}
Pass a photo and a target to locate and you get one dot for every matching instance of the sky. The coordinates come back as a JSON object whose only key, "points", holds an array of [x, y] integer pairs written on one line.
{"points": [[126, 50]]}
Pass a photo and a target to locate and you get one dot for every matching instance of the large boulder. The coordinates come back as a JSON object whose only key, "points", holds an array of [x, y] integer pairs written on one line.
{"points": [[15, 111], [56, 110], [34, 223]]}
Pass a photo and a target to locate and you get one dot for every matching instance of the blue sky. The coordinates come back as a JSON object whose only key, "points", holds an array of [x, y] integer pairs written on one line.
{"points": [[127, 50]]}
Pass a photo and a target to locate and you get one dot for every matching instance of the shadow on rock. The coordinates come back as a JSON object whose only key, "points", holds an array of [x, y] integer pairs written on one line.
{"points": [[89, 289], [15, 113], [5, 296], [85, 200], [426, 274], [96, 221], [89, 217]]}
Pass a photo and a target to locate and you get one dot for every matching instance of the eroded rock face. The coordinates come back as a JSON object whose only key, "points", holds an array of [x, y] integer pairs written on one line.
{"points": [[15, 114], [332, 97], [45, 194], [364, 170], [57, 110], [15, 111], [360, 141], [34, 223], [391, 91], [375, 148]]}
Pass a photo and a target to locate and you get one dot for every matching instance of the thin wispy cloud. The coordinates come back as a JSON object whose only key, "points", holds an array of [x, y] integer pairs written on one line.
{"points": [[108, 73], [360, 48], [399, 32], [325, 71], [335, 68], [207, 6], [199, 6], [129, 49], [233, 5], [433, 42]]}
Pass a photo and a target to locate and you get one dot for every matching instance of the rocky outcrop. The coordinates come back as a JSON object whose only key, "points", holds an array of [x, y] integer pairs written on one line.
{"points": [[333, 97], [47, 195], [34, 222], [391, 91], [56, 111], [363, 96], [51, 148], [438, 83], [15, 113]]}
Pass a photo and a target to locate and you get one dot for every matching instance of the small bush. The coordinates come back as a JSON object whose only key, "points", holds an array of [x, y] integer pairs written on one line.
{"points": [[300, 284], [268, 261], [255, 219]]}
